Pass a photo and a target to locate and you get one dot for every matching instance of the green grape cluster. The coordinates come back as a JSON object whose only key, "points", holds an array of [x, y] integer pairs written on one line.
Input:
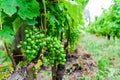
{"points": [[32, 43], [55, 51], [35, 41]]}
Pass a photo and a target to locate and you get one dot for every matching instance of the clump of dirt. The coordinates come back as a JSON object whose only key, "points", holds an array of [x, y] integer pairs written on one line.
{"points": [[78, 63]]}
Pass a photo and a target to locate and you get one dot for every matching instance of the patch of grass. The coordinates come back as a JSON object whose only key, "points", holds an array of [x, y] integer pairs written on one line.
{"points": [[106, 54]]}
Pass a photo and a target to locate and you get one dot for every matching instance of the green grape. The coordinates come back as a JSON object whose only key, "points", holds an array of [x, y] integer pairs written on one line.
{"points": [[34, 51], [28, 47], [30, 33], [37, 41], [38, 36], [60, 58], [27, 35], [54, 48], [33, 37], [53, 58], [35, 30], [33, 45], [25, 43], [52, 61], [29, 39], [61, 49], [63, 55], [64, 60], [57, 51], [44, 43], [40, 44], [47, 39], [56, 45], [32, 42], [41, 35], [27, 51], [26, 31], [36, 47], [21, 42]]}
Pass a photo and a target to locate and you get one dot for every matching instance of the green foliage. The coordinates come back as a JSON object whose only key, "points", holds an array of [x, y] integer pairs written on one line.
{"points": [[6, 35], [56, 15], [65, 17], [74, 35], [108, 23], [74, 11], [55, 19], [24, 8]]}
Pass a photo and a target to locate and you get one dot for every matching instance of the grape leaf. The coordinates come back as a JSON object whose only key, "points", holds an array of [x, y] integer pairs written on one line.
{"points": [[9, 6], [28, 9], [6, 35], [30, 21], [74, 9], [24, 8]]}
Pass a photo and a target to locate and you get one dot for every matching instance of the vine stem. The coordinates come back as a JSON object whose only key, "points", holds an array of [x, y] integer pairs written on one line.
{"points": [[44, 23], [54, 69], [0, 23], [11, 57], [68, 34]]}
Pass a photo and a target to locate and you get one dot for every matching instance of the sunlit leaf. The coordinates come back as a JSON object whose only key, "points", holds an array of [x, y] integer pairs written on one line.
{"points": [[7, 34]]}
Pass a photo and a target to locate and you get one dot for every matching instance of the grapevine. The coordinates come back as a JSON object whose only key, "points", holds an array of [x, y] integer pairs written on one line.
{"points": [[37, 29]]}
